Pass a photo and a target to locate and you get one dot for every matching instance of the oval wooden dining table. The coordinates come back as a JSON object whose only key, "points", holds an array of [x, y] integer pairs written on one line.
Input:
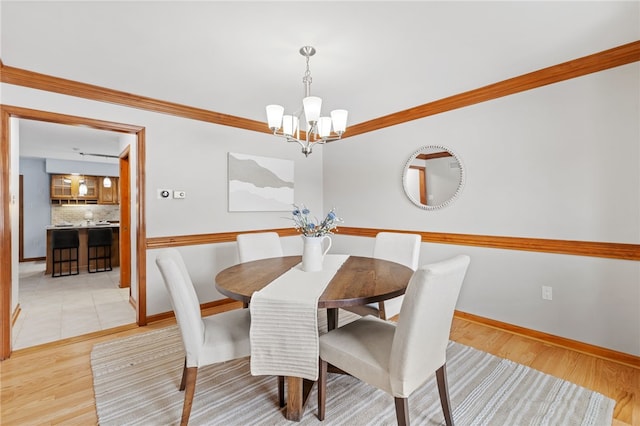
{"points": [[359, 281]]}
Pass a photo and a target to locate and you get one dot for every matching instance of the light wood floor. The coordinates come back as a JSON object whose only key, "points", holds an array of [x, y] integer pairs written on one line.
{"points": [[616, 381], [52, 383]]}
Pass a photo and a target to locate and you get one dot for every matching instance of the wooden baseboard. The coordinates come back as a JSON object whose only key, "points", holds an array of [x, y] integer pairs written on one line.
{"points": [[32, 259], [217, 306], [209, 308], [159, 317], [585, 348]]}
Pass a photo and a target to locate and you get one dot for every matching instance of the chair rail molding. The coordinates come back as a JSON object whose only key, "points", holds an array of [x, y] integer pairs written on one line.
{"points": [[570, 247]]}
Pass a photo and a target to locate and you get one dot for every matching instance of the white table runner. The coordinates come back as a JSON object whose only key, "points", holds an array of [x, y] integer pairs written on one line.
{"points": [[284, 322]]}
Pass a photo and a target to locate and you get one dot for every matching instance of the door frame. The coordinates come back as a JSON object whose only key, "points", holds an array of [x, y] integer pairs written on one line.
{"points": [[21, 219], [6, 113], [124, 198]]}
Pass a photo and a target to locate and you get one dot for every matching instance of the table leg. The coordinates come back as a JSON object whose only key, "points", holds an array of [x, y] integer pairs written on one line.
{"points": [[332, 318], [294, 399], [298, 390]]}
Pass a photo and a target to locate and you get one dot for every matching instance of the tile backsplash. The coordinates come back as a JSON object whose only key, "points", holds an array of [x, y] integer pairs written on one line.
{"points": [[76, 214]]}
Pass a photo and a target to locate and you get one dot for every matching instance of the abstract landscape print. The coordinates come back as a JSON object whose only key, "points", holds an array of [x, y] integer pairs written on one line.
{"points": [[259, 183]]}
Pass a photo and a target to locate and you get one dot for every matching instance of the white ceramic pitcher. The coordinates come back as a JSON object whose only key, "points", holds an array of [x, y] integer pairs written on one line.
{"points": [[312, 253]]}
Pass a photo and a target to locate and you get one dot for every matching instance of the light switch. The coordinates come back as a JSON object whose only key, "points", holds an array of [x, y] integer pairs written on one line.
{"points": [[179, 194]]}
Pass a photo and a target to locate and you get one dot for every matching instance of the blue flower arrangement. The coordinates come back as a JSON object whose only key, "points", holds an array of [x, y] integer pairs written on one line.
{"points": [[311, 227]]}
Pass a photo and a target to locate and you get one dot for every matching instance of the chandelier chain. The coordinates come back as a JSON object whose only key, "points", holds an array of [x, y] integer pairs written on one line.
{"points": [[306, 79]]}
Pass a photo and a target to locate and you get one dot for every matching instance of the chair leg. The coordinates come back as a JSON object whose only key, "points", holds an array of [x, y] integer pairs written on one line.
{"points": [[183, 382], [191, 375], [402, 411], [382, 312], [281, 391], [322, 389], [443, 389]]}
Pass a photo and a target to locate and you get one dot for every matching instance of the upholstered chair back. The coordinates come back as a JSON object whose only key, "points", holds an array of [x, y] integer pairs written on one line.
{"points": [[260, 245], [184, 301], [422, 334], [398, 247]]}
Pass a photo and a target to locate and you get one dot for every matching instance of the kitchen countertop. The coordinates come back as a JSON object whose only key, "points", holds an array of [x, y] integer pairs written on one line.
{"points": [[84, 226]]}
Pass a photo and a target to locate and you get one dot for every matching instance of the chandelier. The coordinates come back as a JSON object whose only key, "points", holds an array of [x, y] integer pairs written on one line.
{"points": [[318, 129]]}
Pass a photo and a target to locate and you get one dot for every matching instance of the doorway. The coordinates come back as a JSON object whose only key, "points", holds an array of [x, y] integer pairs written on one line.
{"points": [[8, 275], [53, 309]]}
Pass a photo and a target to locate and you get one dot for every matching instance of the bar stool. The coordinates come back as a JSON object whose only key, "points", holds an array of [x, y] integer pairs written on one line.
{"points": [[65, 241], [99, 242]]}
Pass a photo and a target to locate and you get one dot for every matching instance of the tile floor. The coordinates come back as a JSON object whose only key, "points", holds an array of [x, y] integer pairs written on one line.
{"points": [[61, 307]]}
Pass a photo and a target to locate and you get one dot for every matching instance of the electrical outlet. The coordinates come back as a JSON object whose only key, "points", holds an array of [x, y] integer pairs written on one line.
{"points": [[547, 292], [163, 194]]}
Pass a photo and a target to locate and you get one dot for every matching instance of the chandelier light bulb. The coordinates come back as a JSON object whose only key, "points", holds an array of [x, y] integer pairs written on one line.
{"points": [[339, 119], [312, 106], [324, 127], [289, 125], [274, 116]]}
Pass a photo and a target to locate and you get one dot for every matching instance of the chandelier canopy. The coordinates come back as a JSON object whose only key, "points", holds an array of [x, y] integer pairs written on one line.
{"points": [[318, 129]]}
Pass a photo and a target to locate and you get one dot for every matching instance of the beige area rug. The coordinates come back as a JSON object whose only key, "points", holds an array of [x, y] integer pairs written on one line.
{"points": [[136, 382]]}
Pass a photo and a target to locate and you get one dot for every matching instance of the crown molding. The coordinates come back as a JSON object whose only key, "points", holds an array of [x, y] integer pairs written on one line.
{"points": [[34, 80], [606, 59], [611, 58]]}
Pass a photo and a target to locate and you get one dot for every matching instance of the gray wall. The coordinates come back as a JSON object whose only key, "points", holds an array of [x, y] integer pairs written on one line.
{"points": [[37, 211], [191, 156], [559, 162]]}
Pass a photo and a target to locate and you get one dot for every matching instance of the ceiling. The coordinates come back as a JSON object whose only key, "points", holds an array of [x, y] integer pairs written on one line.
{"points": [[39, 139], [373, 58]]}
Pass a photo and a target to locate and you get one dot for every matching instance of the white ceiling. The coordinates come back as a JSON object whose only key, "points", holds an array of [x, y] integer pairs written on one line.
{"points": [[373, 58], [39, 139]]}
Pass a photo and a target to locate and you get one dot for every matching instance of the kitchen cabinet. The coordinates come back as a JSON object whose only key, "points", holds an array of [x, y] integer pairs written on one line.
{"points": [[65, 189], [61, 186], [108, 195]]}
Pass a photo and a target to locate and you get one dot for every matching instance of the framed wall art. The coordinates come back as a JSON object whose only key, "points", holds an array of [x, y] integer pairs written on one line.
{"points": [[259, 183]]}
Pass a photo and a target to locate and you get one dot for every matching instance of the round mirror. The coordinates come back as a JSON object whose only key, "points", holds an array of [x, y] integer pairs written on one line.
{"points": [[433, 177]]}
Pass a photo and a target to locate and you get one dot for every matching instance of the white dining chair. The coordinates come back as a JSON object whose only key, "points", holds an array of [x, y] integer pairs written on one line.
{"points": [[258, 245], [400, 248], [399, 358], [209, 340]]}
